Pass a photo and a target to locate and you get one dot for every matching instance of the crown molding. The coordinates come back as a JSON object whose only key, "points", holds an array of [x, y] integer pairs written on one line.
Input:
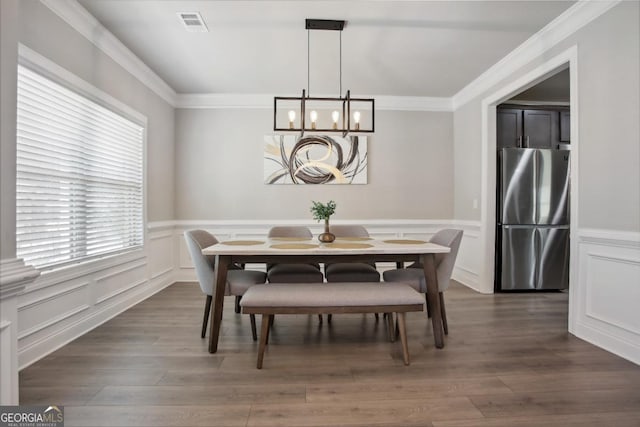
{"points": [[263, 101], [223, 100], [570, 21], [574, 18], [413, 103], [83, 22]]}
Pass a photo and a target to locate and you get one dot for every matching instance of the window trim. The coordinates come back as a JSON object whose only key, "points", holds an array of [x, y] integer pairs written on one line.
{"points": [[38, 63]]}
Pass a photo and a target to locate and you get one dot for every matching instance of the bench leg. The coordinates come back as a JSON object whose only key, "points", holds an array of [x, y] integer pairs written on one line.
{"points": [[403, 337], [271, 317], [264, 337], [252, 317]]}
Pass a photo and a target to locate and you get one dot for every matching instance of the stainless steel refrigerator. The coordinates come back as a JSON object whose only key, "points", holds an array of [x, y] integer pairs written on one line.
{"points": [[532, 244]]}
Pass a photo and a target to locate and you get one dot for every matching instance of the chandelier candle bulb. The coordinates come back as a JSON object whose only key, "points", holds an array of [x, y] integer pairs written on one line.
{"points": [[335, 116], [292, 118], [356, 119], [314, 118]]}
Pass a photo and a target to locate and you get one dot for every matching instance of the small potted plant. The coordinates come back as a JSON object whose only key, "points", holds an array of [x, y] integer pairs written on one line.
{"points": [[323, 211]]}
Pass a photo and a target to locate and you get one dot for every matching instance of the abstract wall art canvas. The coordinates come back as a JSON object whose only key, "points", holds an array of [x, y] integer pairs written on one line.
{"points": [[315, 159]]}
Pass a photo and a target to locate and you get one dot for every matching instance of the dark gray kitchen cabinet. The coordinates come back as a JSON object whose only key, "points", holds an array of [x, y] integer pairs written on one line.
{"points": [[509, 127], [531, 127], [540, 129], [565, 126]]}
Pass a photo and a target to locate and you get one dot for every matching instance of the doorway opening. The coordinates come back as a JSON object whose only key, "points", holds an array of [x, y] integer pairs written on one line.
{"points": [[566, 60], [533, 142]]}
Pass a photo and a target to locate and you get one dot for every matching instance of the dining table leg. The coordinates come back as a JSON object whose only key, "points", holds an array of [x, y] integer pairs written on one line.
{"points": [[222, 265], [429, 265]]}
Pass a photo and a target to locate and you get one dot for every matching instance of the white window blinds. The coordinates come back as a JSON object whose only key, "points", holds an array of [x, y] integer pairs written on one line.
{"points": [[79, 176]]}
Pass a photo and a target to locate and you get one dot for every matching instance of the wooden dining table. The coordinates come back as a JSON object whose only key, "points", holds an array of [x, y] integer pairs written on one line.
{"points": [[311, 251]]}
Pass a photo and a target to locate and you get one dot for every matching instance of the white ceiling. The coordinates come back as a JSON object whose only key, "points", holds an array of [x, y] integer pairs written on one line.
{"points": [[401, 48]]}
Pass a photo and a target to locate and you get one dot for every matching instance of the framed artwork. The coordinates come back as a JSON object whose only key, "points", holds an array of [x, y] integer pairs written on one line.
{"points": [[315, 159]]}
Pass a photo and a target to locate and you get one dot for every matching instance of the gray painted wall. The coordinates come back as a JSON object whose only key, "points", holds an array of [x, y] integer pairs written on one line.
{"points": [[8, 59], [609, 107], [219, 169], [74, 52]]}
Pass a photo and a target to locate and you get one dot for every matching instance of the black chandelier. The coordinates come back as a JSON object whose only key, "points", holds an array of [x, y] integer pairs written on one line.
{"points": [[348, 114]]}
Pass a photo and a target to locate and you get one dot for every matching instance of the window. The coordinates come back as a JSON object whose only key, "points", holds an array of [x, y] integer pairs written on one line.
{"points": [[79, 176]]}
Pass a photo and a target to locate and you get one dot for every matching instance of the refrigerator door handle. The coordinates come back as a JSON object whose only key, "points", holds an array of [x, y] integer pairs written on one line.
{"points": [[536, 166], [536, 250]]}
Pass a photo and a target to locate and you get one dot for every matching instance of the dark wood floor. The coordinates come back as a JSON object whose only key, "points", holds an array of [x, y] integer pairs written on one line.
{"points": [[508, 361]]}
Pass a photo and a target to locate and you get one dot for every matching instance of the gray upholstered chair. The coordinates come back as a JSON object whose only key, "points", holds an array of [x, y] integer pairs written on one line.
{"points": [[238, 279], [414, 274], [293, 273], [351, 271]]}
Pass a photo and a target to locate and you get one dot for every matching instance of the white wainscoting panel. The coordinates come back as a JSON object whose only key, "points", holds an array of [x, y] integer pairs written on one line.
{"points": [[161, 253], [112, 284], [48, 309], [64, 304], [607, 292], [14, 276], [467, 267]]}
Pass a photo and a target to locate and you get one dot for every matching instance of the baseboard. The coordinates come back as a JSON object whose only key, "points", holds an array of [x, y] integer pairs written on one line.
{"points": [[467, 278], [617, 345]]}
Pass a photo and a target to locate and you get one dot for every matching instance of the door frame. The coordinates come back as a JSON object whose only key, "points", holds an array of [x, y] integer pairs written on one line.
{"points": [[566, 59]]}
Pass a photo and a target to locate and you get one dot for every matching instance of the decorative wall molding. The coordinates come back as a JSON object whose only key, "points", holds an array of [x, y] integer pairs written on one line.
{"points": [[574, 18], [119, 291], [413, 103], [607, 289], [468, 263], [84, 23], [83, 270], [53, 321], [88, 26], [44, 297], [624, 239], [64, 304], [224, 100], [14, 275], [73, 297], [570, 21]]}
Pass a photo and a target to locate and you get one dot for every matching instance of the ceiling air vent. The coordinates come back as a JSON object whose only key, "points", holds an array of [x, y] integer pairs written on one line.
{"points": [[193, 22]]}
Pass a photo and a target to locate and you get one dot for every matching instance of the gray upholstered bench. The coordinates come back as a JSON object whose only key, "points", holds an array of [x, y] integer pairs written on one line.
{"points": [[331, 298]]}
